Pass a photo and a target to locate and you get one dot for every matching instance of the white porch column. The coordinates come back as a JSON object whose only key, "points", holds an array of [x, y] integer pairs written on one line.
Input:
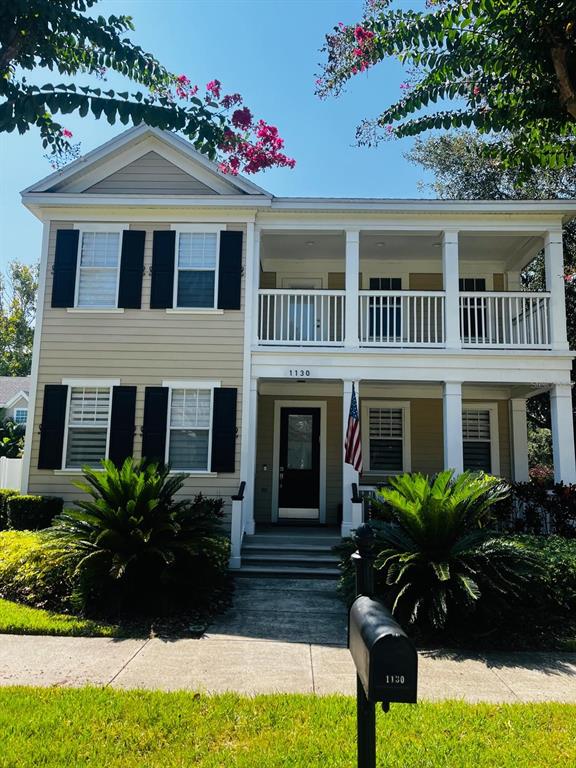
{"points": [[349, 474], [251, 427], [352, 287], [453, 444], [562, 433], [519, 439], [450, 271], [554, 265]]}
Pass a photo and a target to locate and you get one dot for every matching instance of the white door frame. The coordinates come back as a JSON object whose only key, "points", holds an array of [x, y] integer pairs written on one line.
{"points": [[278, 405]]}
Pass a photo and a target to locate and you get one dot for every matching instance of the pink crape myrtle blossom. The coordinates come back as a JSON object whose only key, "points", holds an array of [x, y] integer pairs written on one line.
{"points": [[66, 133], [213, 88], [242, 118]]}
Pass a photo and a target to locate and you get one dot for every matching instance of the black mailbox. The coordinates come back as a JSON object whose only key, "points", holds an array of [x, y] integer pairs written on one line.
{"points": [[385, 657]]}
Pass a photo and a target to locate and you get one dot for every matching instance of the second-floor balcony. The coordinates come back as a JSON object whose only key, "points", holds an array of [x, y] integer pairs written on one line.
{"points": [[408, 290], [402, 319]]}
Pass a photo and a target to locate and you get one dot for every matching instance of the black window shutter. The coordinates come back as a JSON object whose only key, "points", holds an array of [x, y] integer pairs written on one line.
{"points": [[65, 260], [224, 430], [131, 269], [230, 270], [52, 426], [162, 289], [155, 422], [122, 424]]}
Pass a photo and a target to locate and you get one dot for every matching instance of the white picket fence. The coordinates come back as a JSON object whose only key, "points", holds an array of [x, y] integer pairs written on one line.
{"points": [[10, 473]]}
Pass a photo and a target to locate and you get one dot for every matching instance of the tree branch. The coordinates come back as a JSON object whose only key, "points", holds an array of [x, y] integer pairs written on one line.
{"points": [[559, 54]]}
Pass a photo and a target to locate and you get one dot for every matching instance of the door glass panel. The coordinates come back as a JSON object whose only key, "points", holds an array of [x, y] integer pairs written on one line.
{"points": [[299, 444]]}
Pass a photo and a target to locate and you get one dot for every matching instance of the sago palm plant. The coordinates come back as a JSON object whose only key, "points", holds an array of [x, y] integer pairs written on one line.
{"points": [[132, 530], [437, 554]]}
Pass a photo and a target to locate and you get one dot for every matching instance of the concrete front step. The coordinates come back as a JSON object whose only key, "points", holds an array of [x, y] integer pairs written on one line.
{"points": [[280, 560], [293, 549], [285, 571], [281, 542]]}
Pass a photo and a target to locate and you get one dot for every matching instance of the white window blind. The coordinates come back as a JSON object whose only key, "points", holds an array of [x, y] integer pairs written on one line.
{"points": [[98, 273], [190, 422], [386, 437], [476, 436], [476, 425], [88, 419], [196, 274]]}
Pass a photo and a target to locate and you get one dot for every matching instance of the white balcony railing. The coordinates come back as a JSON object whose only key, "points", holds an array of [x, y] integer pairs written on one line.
{"points": [[301, 317], [402, 319], [507, 320]]}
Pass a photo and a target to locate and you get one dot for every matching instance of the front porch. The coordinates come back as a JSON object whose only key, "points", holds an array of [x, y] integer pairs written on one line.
{"points": [[298, 476]]}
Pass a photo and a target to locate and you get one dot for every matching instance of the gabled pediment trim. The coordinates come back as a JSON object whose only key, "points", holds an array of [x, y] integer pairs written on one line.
{"points": [[133, 144]]}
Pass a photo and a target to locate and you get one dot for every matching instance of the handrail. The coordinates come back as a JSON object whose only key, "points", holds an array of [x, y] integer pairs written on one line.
{"points": [[356, 498], [505, 294], [401, 293], [298, 292], [240, 495]]}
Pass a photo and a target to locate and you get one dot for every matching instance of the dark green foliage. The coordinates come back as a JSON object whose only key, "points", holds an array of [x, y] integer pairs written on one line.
{"points": [[32, 513], [11, 439], [5, 494], [437, 557], [138, 548], [18, 287], [540, 508], [504, 67]]}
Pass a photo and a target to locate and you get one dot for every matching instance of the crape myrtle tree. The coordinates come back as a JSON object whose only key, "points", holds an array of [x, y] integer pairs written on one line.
{"points": [[504, 67], [462, 170], [60, 36]]}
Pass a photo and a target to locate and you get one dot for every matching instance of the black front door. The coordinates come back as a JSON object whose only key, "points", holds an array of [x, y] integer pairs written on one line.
{"points": [[299, 470]]}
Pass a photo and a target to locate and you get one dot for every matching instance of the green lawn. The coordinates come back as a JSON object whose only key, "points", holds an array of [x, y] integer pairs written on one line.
{"points": [[21, 619], [101, 727]]}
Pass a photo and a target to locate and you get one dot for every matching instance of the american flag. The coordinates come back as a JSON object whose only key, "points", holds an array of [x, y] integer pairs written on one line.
{"points": [[353, 444]]}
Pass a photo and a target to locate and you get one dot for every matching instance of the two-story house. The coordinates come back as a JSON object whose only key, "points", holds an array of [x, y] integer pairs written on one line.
{"points": [[194, 318]]}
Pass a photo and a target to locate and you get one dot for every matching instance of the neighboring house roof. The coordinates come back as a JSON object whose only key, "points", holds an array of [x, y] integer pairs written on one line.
{"points": [[12, 388]]}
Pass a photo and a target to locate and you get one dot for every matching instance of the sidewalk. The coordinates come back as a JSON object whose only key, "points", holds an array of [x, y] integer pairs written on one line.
{"points": [[280, 637]]}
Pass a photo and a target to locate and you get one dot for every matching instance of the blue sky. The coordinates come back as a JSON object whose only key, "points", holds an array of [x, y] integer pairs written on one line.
{"points": [[268, 50]]}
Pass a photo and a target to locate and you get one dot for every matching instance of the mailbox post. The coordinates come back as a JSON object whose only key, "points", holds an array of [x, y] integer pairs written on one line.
{"points": [[385, 658]]}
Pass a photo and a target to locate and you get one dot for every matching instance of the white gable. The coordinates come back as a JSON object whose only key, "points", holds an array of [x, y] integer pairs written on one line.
{"points": [[145, 161]]}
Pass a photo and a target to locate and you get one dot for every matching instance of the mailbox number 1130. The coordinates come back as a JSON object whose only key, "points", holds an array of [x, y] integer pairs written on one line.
{"points": [[395, 680]]}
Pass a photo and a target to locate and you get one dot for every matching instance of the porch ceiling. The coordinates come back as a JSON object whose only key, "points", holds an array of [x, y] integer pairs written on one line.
{"points": [[511, 249]]}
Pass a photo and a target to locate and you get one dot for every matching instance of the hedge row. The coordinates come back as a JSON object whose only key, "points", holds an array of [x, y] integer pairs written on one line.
{"points": [[27, 513]]}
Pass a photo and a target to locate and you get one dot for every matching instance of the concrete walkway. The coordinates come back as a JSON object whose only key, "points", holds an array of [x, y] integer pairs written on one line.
{"points": [[280, 636]]}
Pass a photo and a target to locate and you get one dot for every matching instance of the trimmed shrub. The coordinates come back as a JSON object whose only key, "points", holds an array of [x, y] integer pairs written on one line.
{"points": [[538, 508], [5, 494], [34, 571], [32, 513]]}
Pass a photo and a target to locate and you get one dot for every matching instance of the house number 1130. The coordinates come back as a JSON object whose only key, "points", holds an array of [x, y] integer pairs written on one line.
{"points": [[299, 373]]}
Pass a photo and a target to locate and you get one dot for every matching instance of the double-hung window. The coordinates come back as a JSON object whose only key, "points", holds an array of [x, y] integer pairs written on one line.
{"points": [[189, 428], [196, 273], [386, 440], [479, 439], [88, 425], [98, 268]]}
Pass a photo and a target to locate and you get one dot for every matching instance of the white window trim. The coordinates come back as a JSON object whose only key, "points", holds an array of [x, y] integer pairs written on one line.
{"points": [[492, 408], [404, 406], [102, 383], [211, 385], [82, 229], [181, 229]]}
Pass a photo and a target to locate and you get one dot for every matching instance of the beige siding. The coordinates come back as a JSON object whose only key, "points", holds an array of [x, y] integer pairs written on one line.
{"points": [[336, 281], [499, 281], [267, 279], [150, 174], [425, 281], [265, 456], [142, 348]]}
